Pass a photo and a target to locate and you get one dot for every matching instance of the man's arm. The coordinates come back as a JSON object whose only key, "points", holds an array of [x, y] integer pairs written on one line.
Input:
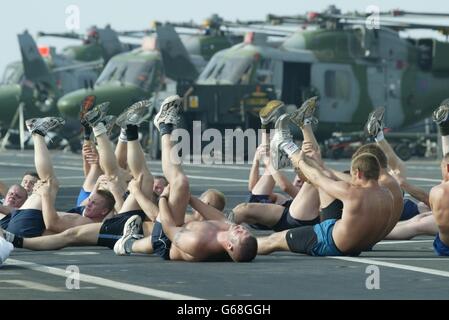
{"points": [[414, 191], [283, 183], [183, 239], [5, 209], [147, 205], [314, 173], [208, 212], [254, 172]]}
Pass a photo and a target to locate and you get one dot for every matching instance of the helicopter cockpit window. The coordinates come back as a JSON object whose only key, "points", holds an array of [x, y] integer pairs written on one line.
{"points": [[337, 84], [12, 75], [135, 72], [264, 72], [227, 70]]}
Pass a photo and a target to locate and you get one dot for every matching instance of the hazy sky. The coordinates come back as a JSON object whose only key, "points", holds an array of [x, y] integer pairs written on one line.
{"points": [[49, 15]]}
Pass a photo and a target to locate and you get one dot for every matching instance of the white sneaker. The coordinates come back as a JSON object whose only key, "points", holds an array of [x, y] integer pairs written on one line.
{"points": [[134, 115], [168, 113], [44, 125], [130, 230], [281, 137], [5, 249]]}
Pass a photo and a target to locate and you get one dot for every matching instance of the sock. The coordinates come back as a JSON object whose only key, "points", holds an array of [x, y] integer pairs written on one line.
{"points": [[129, 245], [15, 240], [99, 129], [87, 132], [132, 132], [380, 136], [39, 132], [122, 136], [289, 148], [166, 128], [268, 126], [444, 129]]}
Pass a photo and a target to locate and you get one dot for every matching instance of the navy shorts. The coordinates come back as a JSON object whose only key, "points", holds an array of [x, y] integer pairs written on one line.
{"points": [[440, 248], [27, 223], [160, 242], [112, 229], [409, 211]]}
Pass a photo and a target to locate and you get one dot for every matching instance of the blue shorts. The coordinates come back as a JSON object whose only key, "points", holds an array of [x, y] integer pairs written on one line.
{"points": [[325, 245], [259, 198], [440, 248], [83, 195], [27, 223], [409, 211], [160, 242]]}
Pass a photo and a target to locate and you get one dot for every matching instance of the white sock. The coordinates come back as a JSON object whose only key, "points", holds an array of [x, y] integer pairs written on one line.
{"points": [[99, 129], [290, 148], [122, 136]]}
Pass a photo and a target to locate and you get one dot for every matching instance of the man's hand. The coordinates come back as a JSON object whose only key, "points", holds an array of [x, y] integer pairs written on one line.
{"points": [[311, 152], [135, 185], [262, 152], [90, 154], [166, 192], [399, 176], [43, 188]]}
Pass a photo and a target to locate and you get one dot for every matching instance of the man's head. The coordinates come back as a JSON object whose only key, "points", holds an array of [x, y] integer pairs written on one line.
{"points": [[376, 151], [213, 198], [16, 196], [241, 245], [99, 204], [28, 181], [364, 167], [159, 184], [445, 167]]}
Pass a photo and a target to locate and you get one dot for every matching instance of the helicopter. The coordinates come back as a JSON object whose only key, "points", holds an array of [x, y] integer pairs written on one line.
{"points": [[43, 75], [167, 58], [352, 67]]}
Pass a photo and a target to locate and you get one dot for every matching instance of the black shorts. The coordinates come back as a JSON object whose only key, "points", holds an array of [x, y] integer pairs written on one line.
{"points": [[259, 198], [25, 223], [160, 242], [288, 222], [332, 211], [112, 229]]}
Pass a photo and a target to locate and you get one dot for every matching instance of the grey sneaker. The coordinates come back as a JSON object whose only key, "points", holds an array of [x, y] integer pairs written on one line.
{"points": [[43, 125], [375, 124], [109, 122], [96, 115], [441, 114], [271, 112], [168, 113], [306, 111], [134, 115], [130, 231], [281, 136]]}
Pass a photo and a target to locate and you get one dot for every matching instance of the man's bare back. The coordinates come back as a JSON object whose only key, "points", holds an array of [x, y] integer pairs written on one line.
{"points": [[366, 216]]}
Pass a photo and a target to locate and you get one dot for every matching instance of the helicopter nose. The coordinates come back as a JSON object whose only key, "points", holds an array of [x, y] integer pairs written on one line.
{"points": [[69, 105]]}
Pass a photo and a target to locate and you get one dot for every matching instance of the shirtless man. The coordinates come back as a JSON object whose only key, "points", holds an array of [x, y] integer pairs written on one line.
{"points": [[304, 209], [439, 195], [367, 207], [172, 239], [107, 232]]}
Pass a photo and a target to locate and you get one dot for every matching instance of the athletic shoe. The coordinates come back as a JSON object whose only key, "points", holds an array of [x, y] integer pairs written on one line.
{"points": [[374, 125], [134, 115], [96, 115], [440, 115], [168, 113], [5, 249], [271, 112], [109, 122], [43, 125], [281, 136], [305, 112], [130, 230]]}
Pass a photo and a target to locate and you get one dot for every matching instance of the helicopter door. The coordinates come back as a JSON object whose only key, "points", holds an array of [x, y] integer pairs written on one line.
{"points": [[295, 83], [338, 89]]}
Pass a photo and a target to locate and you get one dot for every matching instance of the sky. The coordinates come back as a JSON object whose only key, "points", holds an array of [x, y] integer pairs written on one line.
{"points": [[49, 15]]}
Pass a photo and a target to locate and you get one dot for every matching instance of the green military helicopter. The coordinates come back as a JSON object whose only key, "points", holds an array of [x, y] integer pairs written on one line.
{"points": [[353, 67], [151, 69], [43, 75]]}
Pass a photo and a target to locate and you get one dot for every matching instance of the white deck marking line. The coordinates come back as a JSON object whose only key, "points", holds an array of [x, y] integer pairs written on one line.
{"points": [[31, 285], [403, 241], [411, 259], [395, 266], [102, 281]]}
